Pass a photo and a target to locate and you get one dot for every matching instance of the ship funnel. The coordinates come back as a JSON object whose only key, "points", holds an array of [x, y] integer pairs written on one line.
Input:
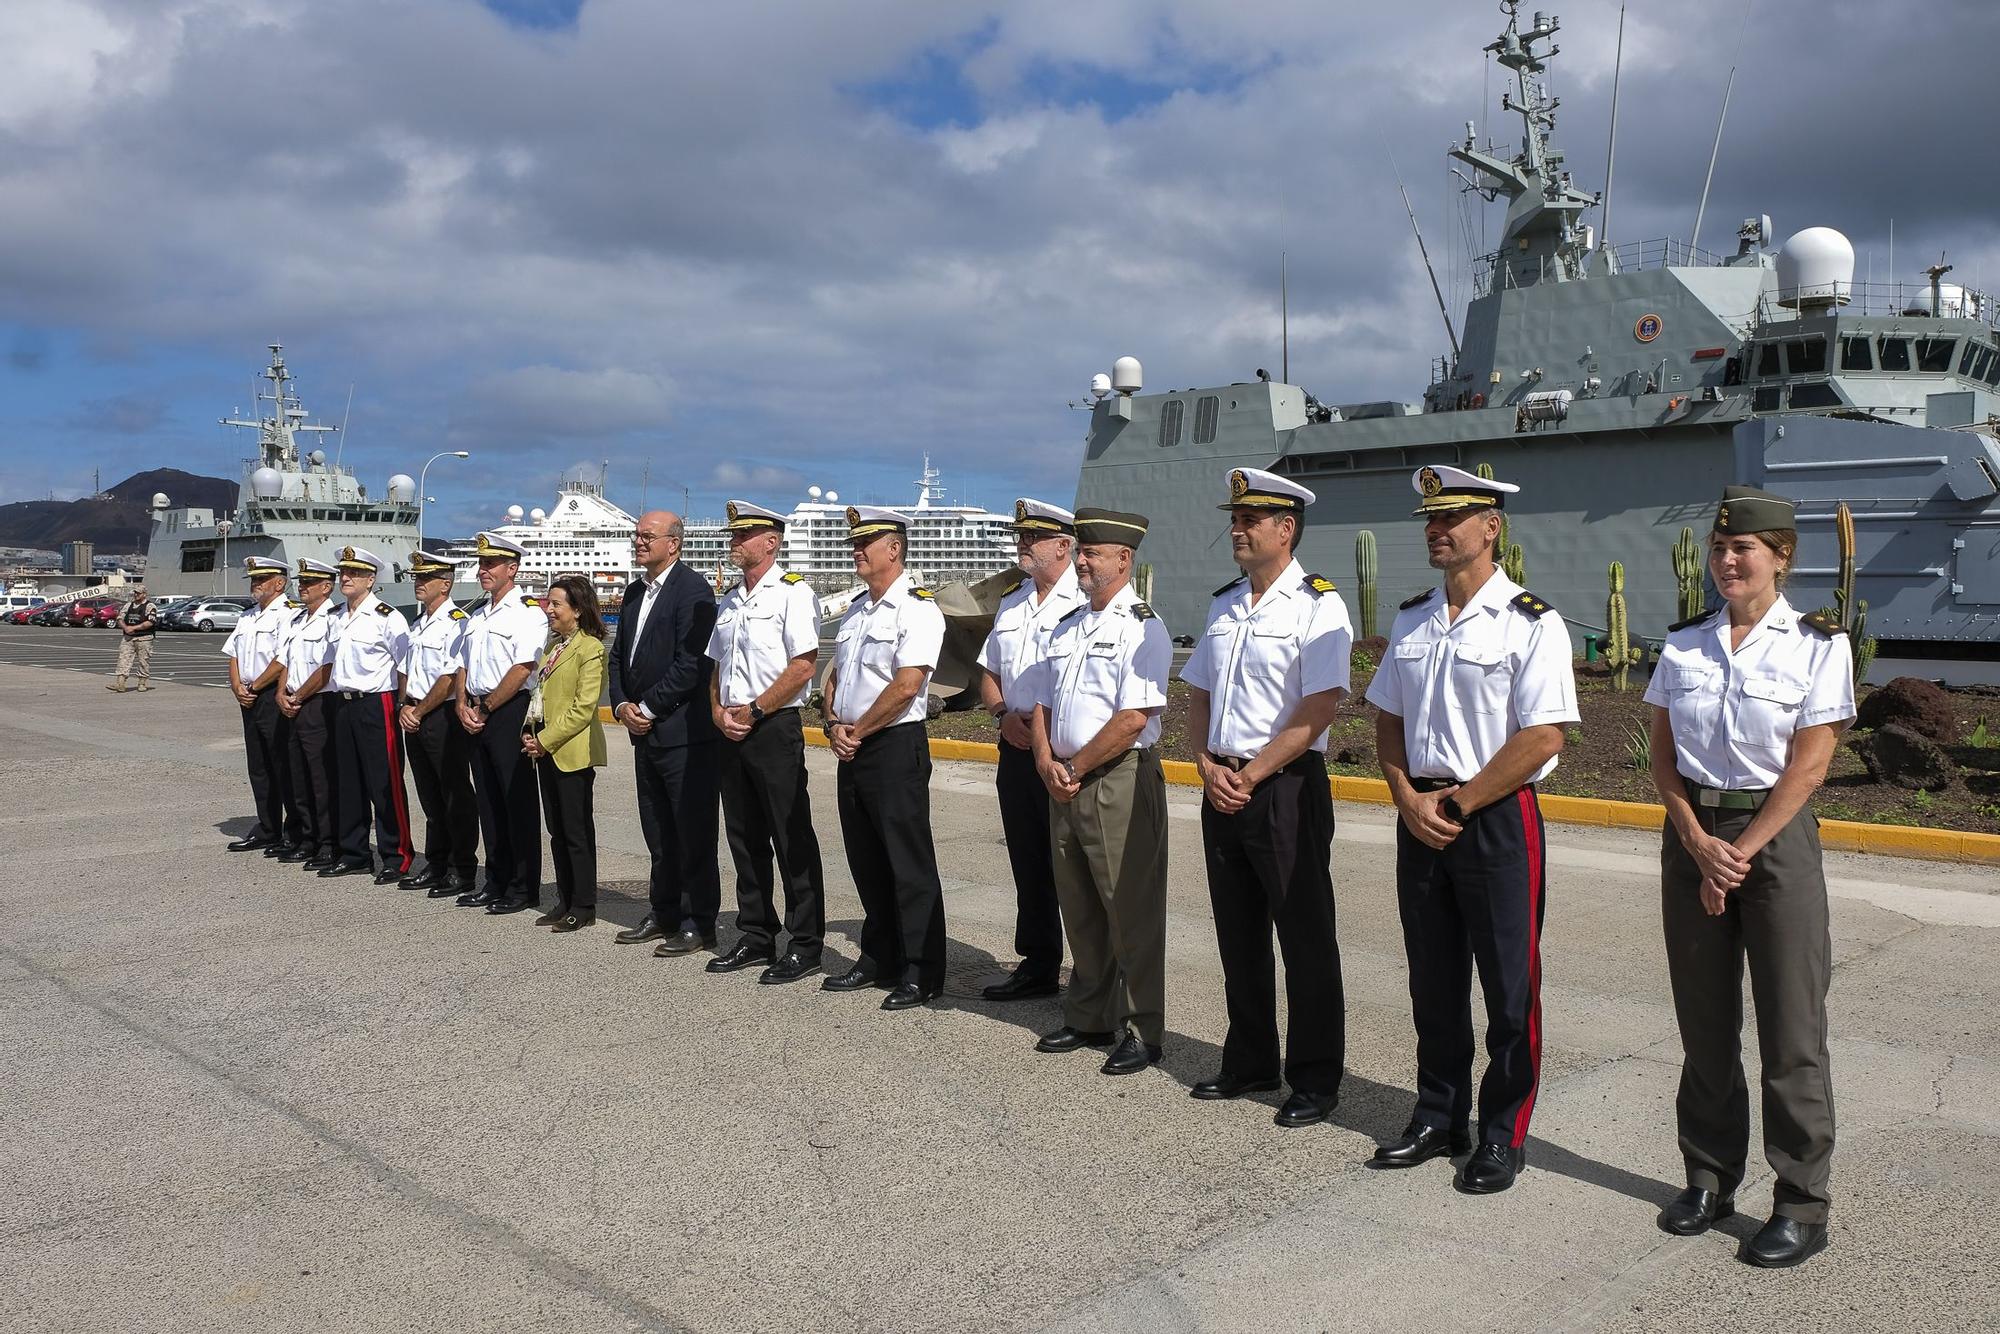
{"points": [[1816, 270], [267, 483], [1126, 376]]}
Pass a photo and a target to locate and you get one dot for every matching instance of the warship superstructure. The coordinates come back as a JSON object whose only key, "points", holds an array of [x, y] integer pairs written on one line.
{"points": [[1621, 386], [293, 503]]}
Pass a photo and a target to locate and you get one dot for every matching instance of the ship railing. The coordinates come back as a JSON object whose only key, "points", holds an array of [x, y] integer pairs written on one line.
{"points": [[1895, 300], [1665, 252]]}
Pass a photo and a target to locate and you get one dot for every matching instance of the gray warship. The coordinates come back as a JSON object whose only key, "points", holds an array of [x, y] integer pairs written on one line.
{"points": [[1621, 387]]}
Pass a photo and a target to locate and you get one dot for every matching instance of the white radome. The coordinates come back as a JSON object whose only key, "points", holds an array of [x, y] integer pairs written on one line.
{"points": [[267, 483], [1126, 375], [160, 500], [1816, 268], [402, 488], [537, 514], [1100, 385], [515, 514]]}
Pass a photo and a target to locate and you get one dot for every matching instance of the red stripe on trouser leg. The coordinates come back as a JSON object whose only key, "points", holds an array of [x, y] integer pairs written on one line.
{"points": [[392, 738], [1531, 835]]}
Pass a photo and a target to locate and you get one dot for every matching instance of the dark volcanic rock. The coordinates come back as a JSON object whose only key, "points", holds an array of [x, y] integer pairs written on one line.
{"points": [[1904, 757], [1919, 705]]}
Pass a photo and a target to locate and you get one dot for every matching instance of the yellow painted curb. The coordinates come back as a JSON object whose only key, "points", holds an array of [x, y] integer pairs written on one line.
{"points": [[1887, 840]]}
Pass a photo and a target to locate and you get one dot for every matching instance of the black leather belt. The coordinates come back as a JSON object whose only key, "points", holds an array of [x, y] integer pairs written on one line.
{"points": [[1434, 784], [1233, 763]]}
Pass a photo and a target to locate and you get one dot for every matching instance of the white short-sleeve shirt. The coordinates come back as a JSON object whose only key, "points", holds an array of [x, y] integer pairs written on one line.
{"points": [[502, 635], [758, 632], [1257, 662], [1019, 639], [1734, 712], [259, 637], [1463, 687], [1100, 663], [879, 637], [369, 645], [437, 647], [308, 642]]}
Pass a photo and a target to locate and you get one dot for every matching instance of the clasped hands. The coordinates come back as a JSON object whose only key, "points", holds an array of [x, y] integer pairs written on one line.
{"points": [[1723, 868], [1228, 790], [637, 723]]}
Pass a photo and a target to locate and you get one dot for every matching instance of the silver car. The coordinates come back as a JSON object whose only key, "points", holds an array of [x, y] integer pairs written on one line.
{"points": [[208, 614]]}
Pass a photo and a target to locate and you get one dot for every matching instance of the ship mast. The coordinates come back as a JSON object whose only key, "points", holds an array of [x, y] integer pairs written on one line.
{"points": [[276, 446]]}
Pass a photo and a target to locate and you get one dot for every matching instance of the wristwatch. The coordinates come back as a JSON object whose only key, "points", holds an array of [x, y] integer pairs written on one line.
{"points": [[1452, 810], [756, 712]]}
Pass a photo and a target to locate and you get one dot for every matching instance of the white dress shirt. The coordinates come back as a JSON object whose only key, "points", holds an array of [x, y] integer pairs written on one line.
{"points": [[878, 638], [437, 648], [1734, 711], [1100, 663], [368, 645], [1463, 688], [758, 632], [306, 642], [500, 636], [1258, 662], [1020, 636], [259, 637], [645, 611]]}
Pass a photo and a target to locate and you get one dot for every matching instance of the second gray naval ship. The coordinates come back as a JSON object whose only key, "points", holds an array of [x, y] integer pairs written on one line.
{"points": [[1622, 387]]}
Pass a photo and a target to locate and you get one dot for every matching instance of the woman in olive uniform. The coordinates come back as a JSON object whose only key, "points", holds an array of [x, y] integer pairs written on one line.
{"points": [[1749, 701]]}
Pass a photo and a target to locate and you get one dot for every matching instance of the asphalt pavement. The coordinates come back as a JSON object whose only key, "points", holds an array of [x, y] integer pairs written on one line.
{"points": [[239, 1098]]}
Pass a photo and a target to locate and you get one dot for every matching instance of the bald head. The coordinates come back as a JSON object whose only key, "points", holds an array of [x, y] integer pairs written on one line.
{"points": [[656, 543]]}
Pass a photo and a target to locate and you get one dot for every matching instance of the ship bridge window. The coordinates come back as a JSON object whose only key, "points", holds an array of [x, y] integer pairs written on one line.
{"points": [[1818, 394], [1767, 359], [197, 560], [1205, 410], [1171, 412], [1806, 356], [1768, 398], [1856, 354], [1989, 369], [1966, 358], [1934, 355], [1895, 354]]}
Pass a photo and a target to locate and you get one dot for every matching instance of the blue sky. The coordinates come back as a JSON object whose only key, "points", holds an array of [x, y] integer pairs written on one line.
{"points": [[745, 249]]}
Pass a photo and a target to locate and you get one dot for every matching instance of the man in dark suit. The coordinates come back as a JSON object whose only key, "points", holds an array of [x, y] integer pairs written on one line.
{"points": [[659, 691]]}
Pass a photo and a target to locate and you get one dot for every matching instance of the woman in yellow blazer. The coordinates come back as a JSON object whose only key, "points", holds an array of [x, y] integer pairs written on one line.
{"points": [[567, 743]]}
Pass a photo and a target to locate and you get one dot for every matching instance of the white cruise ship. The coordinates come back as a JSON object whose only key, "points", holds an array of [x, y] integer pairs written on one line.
{"points": [[583, 533], [947, 541]]}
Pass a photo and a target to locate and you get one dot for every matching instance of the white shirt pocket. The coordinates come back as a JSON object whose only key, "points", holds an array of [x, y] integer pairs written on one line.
{"points": [[1769, 712], [878, 649], [1479, 677]]}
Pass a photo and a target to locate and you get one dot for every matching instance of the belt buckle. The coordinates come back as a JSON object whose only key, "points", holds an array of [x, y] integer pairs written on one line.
{"points": [[1708, 797]]}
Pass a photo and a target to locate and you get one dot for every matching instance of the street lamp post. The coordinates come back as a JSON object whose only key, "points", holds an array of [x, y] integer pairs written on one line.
{"points": [[423, 496], [222, 527]]}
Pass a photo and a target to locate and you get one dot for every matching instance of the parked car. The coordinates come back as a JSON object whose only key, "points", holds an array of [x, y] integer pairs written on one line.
{"points": [[50, 613], [19, 615], [85, 612], [207, 614]]}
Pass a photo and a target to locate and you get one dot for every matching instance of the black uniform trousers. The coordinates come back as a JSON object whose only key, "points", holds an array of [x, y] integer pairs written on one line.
{"points": [[368, 759], [1777, 920], [1268, 865], [884, 796], [569, 806], [1024, 819], [765, 813], [314, 790], [503, 781], [267, 739], [678, 794], [1478, 900], [441, 765]]}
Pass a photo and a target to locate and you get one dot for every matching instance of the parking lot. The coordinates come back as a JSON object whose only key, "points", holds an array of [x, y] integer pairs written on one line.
{"points": [[185, 657]]}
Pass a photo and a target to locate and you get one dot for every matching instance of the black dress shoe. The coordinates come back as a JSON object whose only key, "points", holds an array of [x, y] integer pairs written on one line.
{"points": [[478, 898], [789, 969], [741, 955], [252, 842], [1069, 1039], [1226, 1085], [318, 863], [1306, 1109], [1131, 1057], [385, 876], [648, 929], [423, 879], [1491, 1169], [346, 868], [1784, 1242], [908, 997], [1694, 1211], [501, 907], [1025, 984], [550, 918], [683, 942], [280, 849], [296, 856], [446, 889], [574, 921], [1421, 1143], [855, 978]]}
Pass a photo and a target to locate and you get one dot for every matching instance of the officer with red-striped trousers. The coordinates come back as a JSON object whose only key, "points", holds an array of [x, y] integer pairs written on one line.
{"points": [[1474, 692], [370, 638]]}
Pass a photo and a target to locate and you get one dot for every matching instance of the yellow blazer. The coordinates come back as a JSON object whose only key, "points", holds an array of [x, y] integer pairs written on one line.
{"points": [[570, 731]]}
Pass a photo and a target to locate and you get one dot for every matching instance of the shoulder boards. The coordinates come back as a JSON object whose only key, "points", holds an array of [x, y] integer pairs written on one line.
{"points": [[1823, 623], [1012, 579], [1695, 619], [792, 577], [458, 613], [530, 602], [1231, 584], [1419, 598], [1078, 610], [1141, 612], [384, 609], [1317, 584], [736, 586], [292, 602], [924, 593], [1529, 605]]}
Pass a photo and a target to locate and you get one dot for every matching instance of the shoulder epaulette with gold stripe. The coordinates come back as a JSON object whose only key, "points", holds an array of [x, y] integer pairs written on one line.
{"points": [[792, 577], [1529, 605], [1823, 623], [924, 593], [1419, 598], [1231, 584], [1318, 584]]}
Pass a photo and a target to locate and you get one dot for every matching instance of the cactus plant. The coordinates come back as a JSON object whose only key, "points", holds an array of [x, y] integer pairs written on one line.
{"points": [[1365, 569], [1514, 563], [1851, 612], [1687, 575], [1619, 655], [1485, 470]]}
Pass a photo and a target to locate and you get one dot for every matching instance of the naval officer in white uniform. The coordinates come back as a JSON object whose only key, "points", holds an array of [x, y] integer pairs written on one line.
{"points": [[366, 650]]}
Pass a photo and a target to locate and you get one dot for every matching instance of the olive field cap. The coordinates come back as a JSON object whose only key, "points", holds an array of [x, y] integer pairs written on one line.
{"points": [[1095, 526], [1745, 509]]}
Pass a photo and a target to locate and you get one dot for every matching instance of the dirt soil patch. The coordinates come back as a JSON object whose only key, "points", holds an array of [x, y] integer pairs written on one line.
{"points": [[1605, 757]]}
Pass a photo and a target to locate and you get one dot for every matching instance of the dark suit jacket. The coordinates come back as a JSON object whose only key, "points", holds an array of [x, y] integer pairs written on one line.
{"points": [[670, 671]]}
